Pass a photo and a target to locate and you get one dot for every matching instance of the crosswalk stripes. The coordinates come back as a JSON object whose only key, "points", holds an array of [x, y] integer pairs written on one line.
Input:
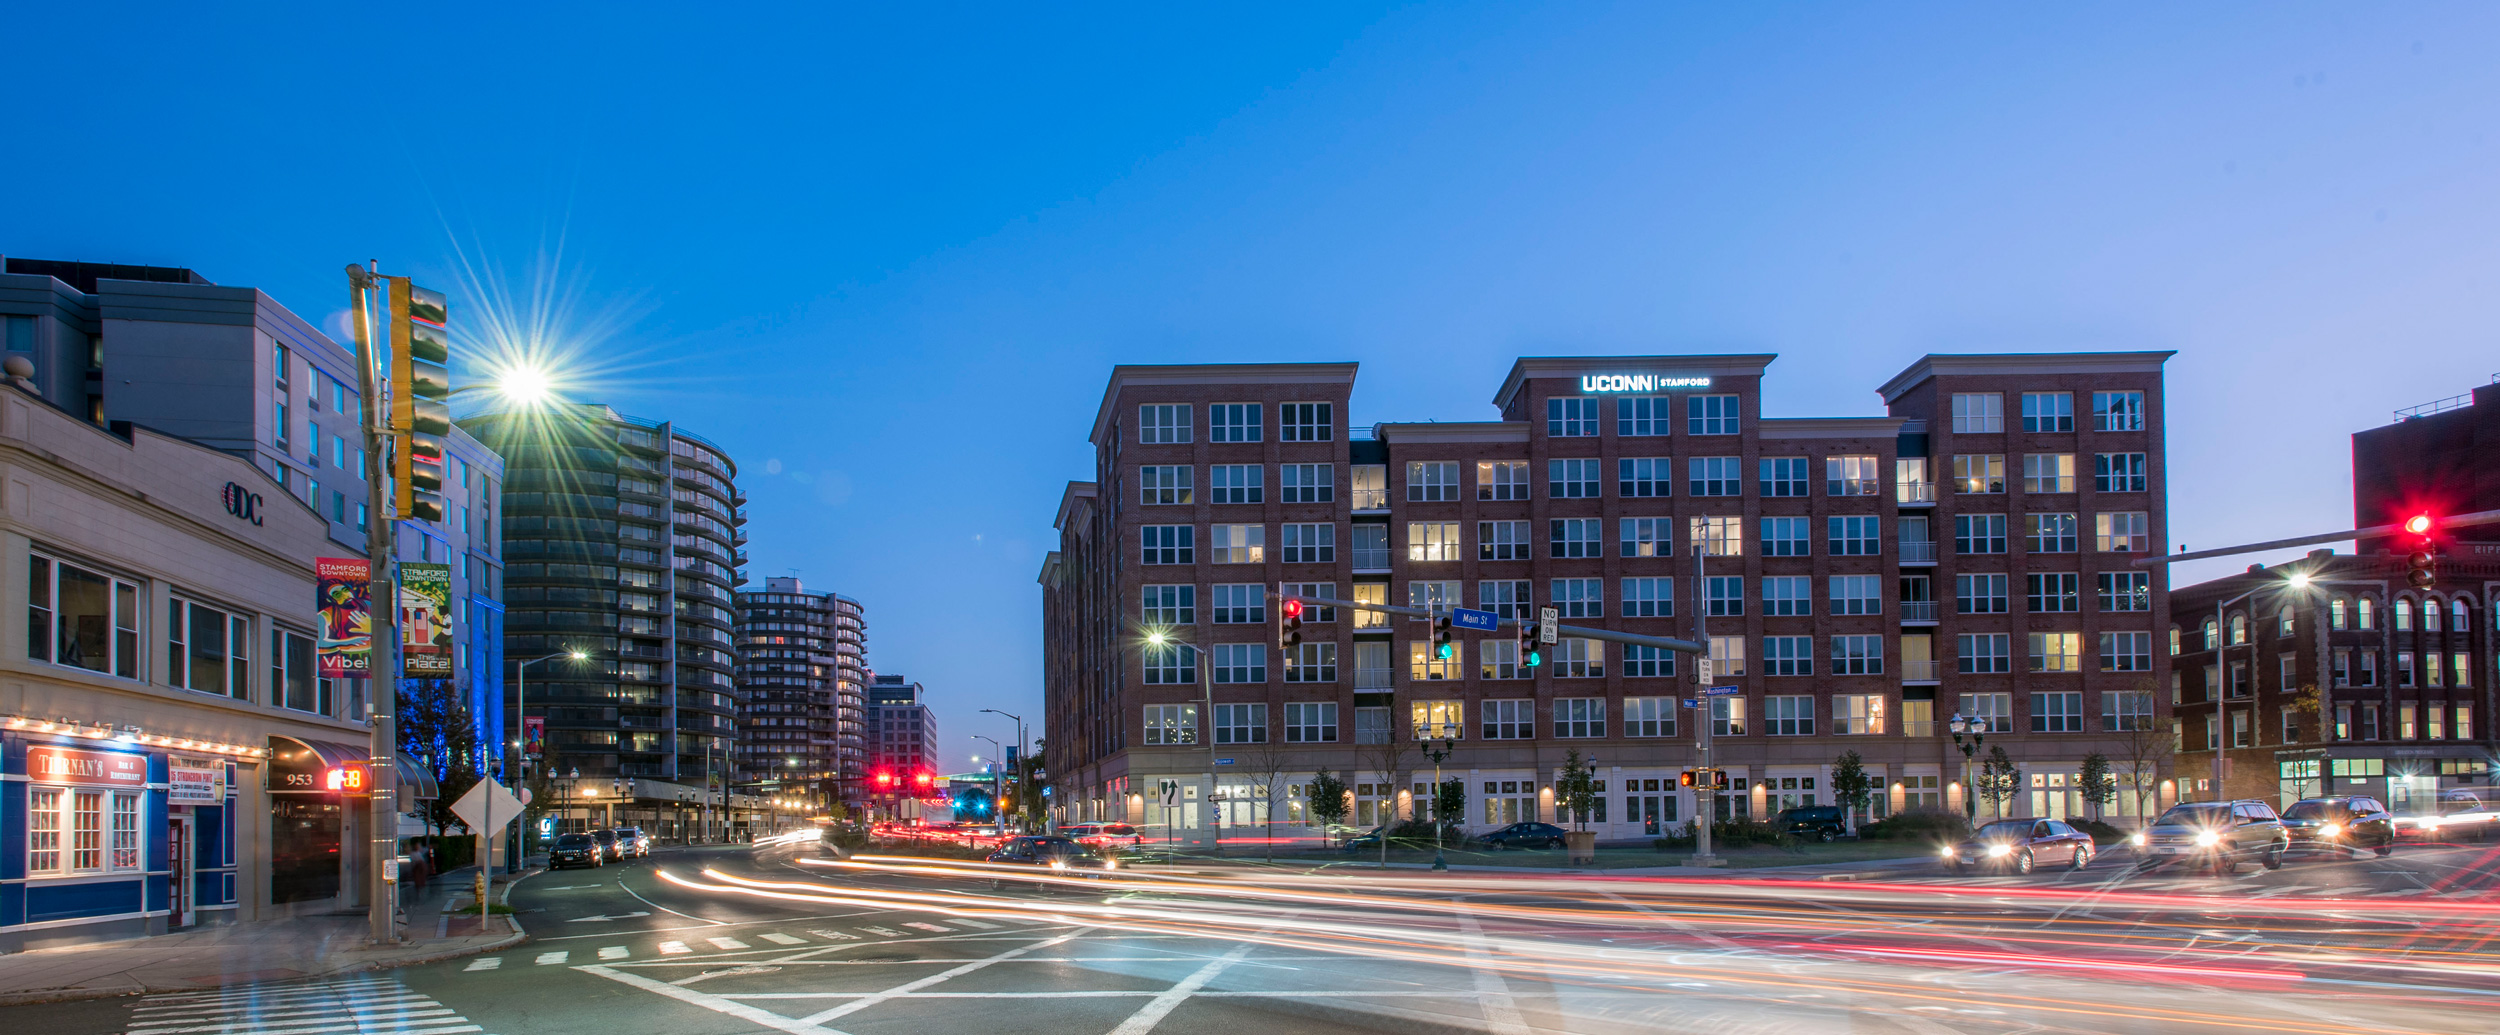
{"points": [[674, 949], [562, 957], [974, 924], [929, 927], [487, 963], [356, 1005], [883, 932], [615, 952], [551, 958], [727, 943], [839, 936], [778, 938]]}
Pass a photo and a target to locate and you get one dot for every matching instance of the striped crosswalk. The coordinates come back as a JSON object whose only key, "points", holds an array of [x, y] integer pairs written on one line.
{"points": [[350, 1007], [673, 947]]}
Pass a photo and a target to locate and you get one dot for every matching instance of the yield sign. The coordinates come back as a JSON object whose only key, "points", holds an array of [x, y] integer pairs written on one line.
{"points": [[487, 807]]}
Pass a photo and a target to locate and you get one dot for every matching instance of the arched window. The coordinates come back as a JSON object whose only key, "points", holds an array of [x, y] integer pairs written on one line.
{"points": [[2213, 635], [2459, 618], [2174, 641], [2367, 621], [2335, 613], [2283, 623], [2239, 629], [2400, 614]]}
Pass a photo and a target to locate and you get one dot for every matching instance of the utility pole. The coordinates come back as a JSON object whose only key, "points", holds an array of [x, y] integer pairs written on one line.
{"points": [[1706, 789], [382, 603]]}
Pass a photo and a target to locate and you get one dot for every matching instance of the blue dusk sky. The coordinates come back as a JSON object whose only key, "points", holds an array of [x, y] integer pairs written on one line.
{"points": [[887, 256]]}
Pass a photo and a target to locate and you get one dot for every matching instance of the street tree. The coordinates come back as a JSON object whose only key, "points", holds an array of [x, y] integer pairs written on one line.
{"points": [[1998, 779], [436, 734], [1449, 806], [1268, 763], [2098, 785], [2146, 750], [1575, 790], [1852, 788], [1388, 758], [1327, 796]]}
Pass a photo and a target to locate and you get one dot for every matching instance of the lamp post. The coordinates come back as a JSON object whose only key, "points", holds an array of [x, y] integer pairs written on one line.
{"points": [[515, 745], [1024, 759], [1437, 748], [1206, 714], [2222, 676], [999, 813], [1977, 732]]}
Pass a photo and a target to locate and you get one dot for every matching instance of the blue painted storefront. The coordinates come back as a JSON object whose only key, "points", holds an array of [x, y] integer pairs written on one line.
{"points": [[77, 906]]}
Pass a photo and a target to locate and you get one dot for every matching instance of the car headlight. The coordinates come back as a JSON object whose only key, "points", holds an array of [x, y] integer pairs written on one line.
{"points": [[2000, 851], [2430, 823], [1111, 864], [2208, 839], [1951, 852], [1059, 864], [2138, 840], [2329, 830]]}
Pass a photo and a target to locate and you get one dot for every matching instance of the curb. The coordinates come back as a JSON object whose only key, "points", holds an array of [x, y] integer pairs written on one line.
{"points": [[66, 995]]}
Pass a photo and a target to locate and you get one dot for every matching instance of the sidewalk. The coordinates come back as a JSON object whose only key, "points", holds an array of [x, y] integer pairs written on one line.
{"points": [[271, 950]]}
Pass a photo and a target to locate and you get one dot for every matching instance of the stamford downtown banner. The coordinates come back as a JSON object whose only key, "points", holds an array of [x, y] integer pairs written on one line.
{"points": [[425, 619], [343, 592]]}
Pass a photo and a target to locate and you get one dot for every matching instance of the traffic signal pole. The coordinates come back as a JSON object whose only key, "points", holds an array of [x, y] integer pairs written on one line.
{"points": [[1706, 788], [382, 605]]}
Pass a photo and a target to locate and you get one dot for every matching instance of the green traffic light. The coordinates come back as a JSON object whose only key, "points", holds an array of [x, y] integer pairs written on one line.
{"points": [[1535, 658], [1443, 651]]}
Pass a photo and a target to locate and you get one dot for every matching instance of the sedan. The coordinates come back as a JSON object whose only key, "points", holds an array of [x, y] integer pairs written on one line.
{"points": [[2019, 845], [1524, 835], [1051, 851], [576, 850]]}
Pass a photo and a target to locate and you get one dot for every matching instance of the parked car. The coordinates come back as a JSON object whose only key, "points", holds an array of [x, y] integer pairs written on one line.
{"points": [[1524, 835], [608, 845], [576, 850], [2218, 834], [1813, 822], [632, 843], [2019, 845], [2340, 823]]}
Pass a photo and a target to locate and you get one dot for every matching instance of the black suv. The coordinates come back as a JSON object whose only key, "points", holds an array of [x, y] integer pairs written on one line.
{"points": [[1814, 822], [576, 850], [2217, 834], [2336, 824]]}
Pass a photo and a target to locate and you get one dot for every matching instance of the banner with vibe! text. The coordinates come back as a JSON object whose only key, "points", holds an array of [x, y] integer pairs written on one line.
{"points": [[343, 593]]}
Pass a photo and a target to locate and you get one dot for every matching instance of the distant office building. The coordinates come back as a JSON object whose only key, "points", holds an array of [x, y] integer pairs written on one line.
{"points": [[902, 731], [802, 692], [626, 538]]}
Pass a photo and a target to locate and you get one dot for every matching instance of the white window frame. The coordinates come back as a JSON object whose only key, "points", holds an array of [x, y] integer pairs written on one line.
{"points": [[2118, 411], [1430, 542], [1646, 536], [1310, 722], [1310, 543], [1578, 658], [1175, 544], [1579, 718], [1504, 541], [1244, 723], [1160, 424], [1856, 594], [1502, 480], [1432, 481], [2048, 412], [1649, 717], [1571, 538], [1857, 655], [1236, 422], [1713, 476], [1793, 536], [1171, 724], [1164, 604], [1713, 415], [1236, 544], [1648, 597], [1788, 655], [1788, 715], [1165, 485], [1238, 603], [1572, 416], [2122, 531], [1306, 422], [1645, 477], [1978, 413], [1578, 598], [1786, 596], [1236, 483], [1575, 479], [1306, 483]]}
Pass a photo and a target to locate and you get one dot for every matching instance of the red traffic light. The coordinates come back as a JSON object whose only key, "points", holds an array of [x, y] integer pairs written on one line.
{"points": [[884, 779], [1293, 608], [922, 779], [2418, 524]]}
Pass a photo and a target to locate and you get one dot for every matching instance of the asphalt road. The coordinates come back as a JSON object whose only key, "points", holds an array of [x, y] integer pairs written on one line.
{"points": [[743, 940]]}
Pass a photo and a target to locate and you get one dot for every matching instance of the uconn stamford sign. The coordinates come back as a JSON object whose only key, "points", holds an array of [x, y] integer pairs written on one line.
{"points": [[1638, 382]]}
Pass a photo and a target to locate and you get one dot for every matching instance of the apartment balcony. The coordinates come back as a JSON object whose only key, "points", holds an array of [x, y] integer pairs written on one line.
{"points": [[1369, 500], [1371, 560], [1375, 678], [1922, 672], [1913, 552], [1915, 494], [1920, 612]]}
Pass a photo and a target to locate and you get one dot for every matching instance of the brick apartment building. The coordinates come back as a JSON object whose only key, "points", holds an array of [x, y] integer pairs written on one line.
{"points": [[1866, 578], [2333, 674]]}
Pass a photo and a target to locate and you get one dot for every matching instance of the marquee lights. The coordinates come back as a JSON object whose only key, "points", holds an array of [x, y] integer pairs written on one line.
{"points": [[130, 735]]}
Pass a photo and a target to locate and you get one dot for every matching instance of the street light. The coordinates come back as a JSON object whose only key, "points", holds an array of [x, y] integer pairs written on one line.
{"points": [[1024, 756], [994, 784], [520, 723], [1438, 749], [1206, 717], [1977, 730]]}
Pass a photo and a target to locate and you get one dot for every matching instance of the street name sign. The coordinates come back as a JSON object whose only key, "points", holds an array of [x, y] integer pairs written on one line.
{"points": [[1722, 691], [1470, 618]]}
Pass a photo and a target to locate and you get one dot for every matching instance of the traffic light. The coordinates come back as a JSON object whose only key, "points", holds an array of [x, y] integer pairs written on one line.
{"points": [[921, 778], [1442, 648], [1531, 653], [1687, 779], [1289, 624], [2420, 569], [420, 402]]}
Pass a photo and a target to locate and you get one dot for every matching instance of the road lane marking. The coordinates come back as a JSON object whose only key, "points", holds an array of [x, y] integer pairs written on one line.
{"points": [[489, 963], [674, 948], [714, 1003], [1501, 1012], [883, 932], [1151, 1014], [550, 958], [779, 938], [615, 952], [844, 936], [930, 927], [620, 886], [727, 943], [975, 924], [943, 975]]}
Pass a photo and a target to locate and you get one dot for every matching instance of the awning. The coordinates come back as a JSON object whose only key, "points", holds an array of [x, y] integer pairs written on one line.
{"points": [[299, 753]]}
